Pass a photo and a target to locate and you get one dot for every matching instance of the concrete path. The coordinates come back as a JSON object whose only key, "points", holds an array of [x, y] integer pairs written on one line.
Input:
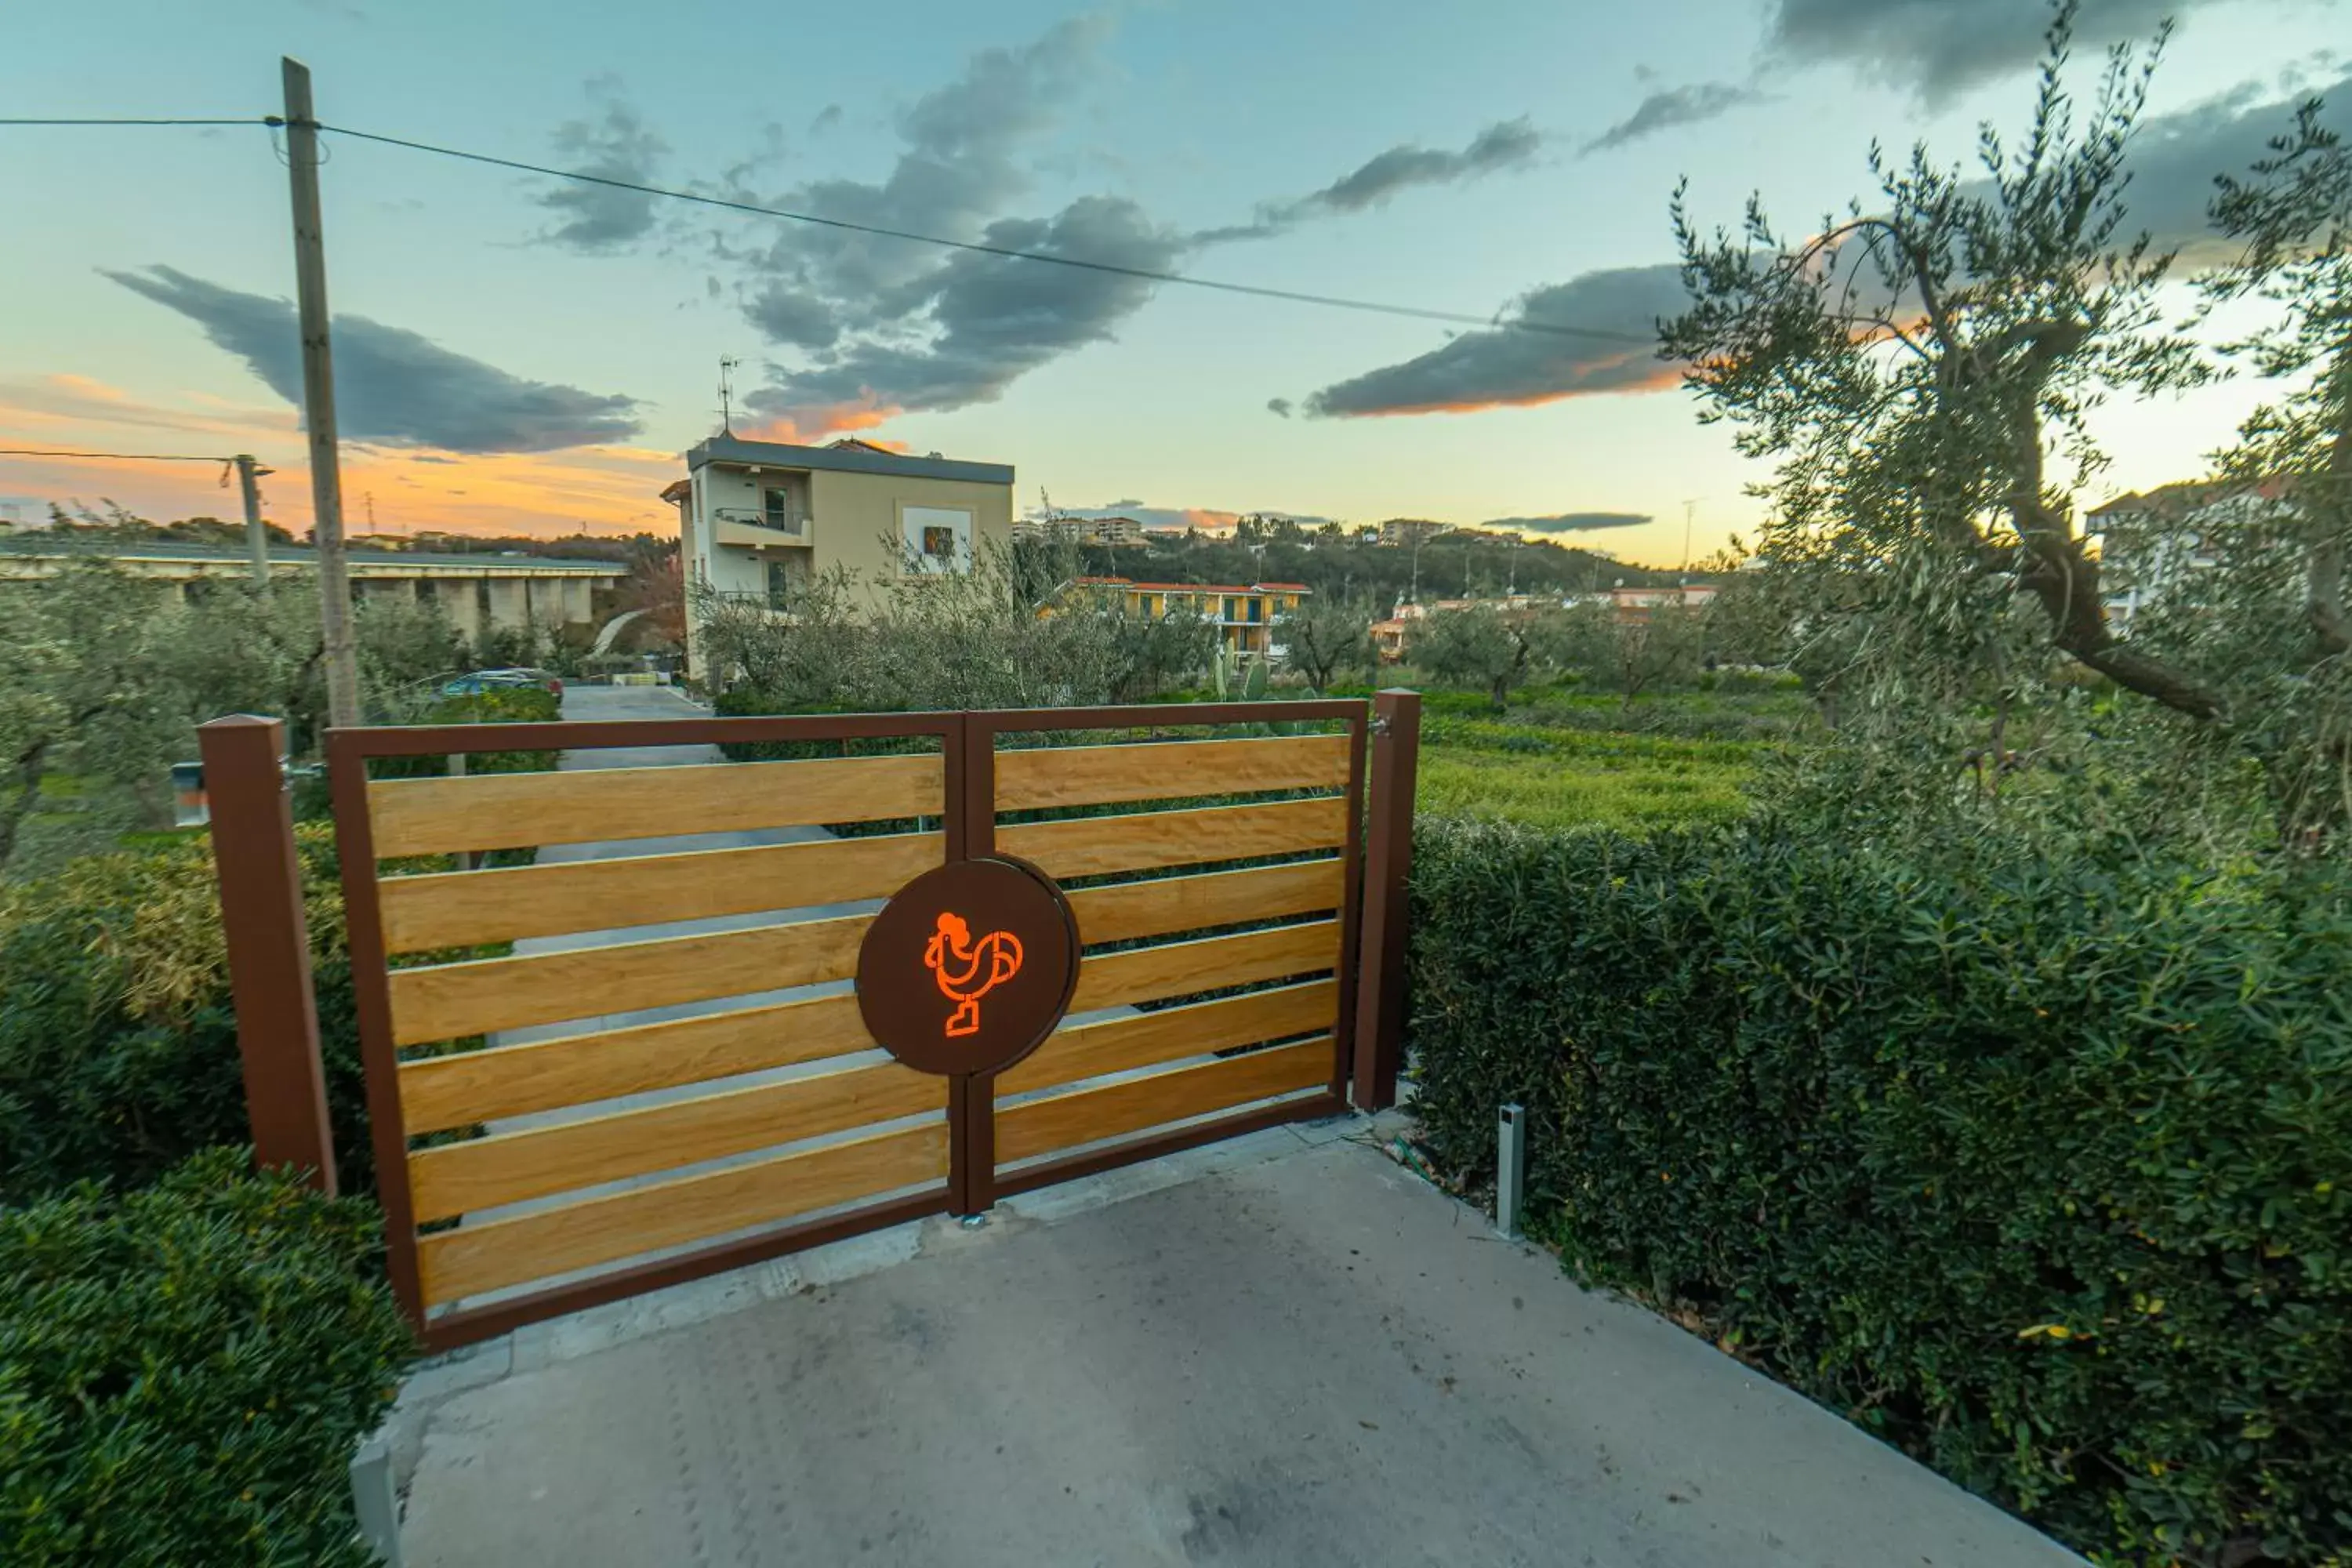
{"points": [[1303, 1357]]}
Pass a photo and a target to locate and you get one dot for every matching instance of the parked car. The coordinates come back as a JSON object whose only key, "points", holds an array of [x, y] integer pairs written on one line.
{"points": [[475, 682]]}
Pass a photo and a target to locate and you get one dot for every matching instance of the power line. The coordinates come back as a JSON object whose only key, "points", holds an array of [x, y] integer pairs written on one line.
{"points": [[117, 119], [118, 456], [1145, 273]]}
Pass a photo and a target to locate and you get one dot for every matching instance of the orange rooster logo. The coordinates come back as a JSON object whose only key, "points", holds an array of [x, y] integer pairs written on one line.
{"points": [[968, 969]]}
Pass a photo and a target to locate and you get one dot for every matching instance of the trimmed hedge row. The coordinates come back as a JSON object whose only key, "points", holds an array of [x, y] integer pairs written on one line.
{"points": [[2038, 1165], [186, 1369], [118, 1042]]}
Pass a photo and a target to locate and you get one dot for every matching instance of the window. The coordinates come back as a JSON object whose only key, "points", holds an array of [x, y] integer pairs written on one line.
{"points": [[777, 507], [1257, 610], [938, 538], [780, 583]]}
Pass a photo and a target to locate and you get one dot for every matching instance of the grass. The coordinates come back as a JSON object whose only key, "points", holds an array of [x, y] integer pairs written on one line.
{"points": [[1549, 776]]}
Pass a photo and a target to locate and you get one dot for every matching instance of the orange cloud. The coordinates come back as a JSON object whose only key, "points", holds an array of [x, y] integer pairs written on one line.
{"points": [[811, 427], [1210, 521]]}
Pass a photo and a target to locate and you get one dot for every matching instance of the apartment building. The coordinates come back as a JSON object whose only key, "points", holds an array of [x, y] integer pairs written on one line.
{"points": [[1245, 615], [757, 519]]}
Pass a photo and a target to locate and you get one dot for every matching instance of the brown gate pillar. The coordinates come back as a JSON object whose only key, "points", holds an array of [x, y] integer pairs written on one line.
{"points": [[268, 945], [1388, 861]]}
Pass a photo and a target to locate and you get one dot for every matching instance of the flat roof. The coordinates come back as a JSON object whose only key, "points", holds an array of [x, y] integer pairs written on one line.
{"points": [[858, 459], [49, 546]]}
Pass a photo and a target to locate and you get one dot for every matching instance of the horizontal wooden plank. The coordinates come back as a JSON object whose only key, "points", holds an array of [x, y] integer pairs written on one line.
{"points": [[457, 1178], [1178, 968], [459, 909], [1172, 1034], [1123, 910], [451, 1001], [1162, 770], [473, 1258], [515, 1080], [1147, 840], [1086, 1116], [509, 811]]}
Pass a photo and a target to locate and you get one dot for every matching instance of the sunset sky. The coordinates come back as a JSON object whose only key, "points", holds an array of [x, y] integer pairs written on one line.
{"points": [[517, 355]]}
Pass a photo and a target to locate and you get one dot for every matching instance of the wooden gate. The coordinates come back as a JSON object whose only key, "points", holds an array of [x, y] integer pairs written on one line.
{"points": [[569, 1103]]}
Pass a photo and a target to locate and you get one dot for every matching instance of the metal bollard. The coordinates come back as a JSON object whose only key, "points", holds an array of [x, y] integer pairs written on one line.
{"points": [[1510, 1169], [374, 1502]]}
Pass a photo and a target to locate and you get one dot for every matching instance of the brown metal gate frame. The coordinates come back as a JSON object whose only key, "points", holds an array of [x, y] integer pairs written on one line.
{"points": [[278, 1033]]}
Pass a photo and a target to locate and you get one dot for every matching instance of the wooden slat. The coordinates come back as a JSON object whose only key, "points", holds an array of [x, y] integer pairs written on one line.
{"points": [[1146, 840], [455, 1178], [1177, 968], [548, 1075], [1123, 910], [507, 811], [1091, 775], [473, 1258], [1065, 1120], [459, 909], [451, 1001], [1172, 1034]]}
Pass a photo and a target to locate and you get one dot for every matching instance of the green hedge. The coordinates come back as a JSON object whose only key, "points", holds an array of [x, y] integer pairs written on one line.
{"points": [[118, 1043], [2037, 1164], [497, 705], [186, 1369]]}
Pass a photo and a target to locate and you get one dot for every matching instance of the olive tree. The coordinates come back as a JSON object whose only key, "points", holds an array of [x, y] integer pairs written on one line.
{"points": [[1919, 373], [1324, 635]]}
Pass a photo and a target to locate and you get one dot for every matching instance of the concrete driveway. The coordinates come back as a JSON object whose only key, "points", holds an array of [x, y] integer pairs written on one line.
{"points": [[1284, 1350]]}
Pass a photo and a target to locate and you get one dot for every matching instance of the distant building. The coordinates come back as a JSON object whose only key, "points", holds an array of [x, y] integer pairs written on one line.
{"points": [[1388, 636], [1635, 605], [476, 592], [1243, 615], [757, 519], [1114, 531], [1411, 530], [2148, 542], [18, 513]]}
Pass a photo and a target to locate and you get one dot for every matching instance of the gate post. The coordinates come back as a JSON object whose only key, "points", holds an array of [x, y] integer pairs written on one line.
{"points": [[1388, 861], [260, 879]]}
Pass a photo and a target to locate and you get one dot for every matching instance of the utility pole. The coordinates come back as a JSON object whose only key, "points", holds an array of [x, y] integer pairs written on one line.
{"points": [[319, 399], [256, 537]]}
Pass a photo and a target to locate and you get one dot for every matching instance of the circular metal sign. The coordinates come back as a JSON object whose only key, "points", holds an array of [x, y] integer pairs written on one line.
{"points": [[969, 967]]}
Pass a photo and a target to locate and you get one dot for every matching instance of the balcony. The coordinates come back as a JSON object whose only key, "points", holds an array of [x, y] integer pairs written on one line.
{"points": [[754, 527]]}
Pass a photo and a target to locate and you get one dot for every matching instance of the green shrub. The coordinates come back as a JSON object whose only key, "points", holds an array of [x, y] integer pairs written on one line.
{"points": [[185, 1369], [2038, 1165], [497, 705], [117, 1041]]}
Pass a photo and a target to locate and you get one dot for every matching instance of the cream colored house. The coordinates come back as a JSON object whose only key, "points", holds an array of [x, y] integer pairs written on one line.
{"points": [[758, 519]]}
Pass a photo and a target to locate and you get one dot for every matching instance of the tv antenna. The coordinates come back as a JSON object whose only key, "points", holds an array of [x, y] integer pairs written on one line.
{"points": [[726, 363]]}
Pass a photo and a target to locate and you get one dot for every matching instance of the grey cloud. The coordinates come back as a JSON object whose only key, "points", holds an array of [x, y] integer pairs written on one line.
{"points": [[1499, 147], [993, 319], [1506, 144], [794, 316], [613, 143], [1278, 405], [394, 387], [1672, 107], [827, 119], [1481, 369], [1569, 522], [2172, 164], [956, 171], [1940, 49]]}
